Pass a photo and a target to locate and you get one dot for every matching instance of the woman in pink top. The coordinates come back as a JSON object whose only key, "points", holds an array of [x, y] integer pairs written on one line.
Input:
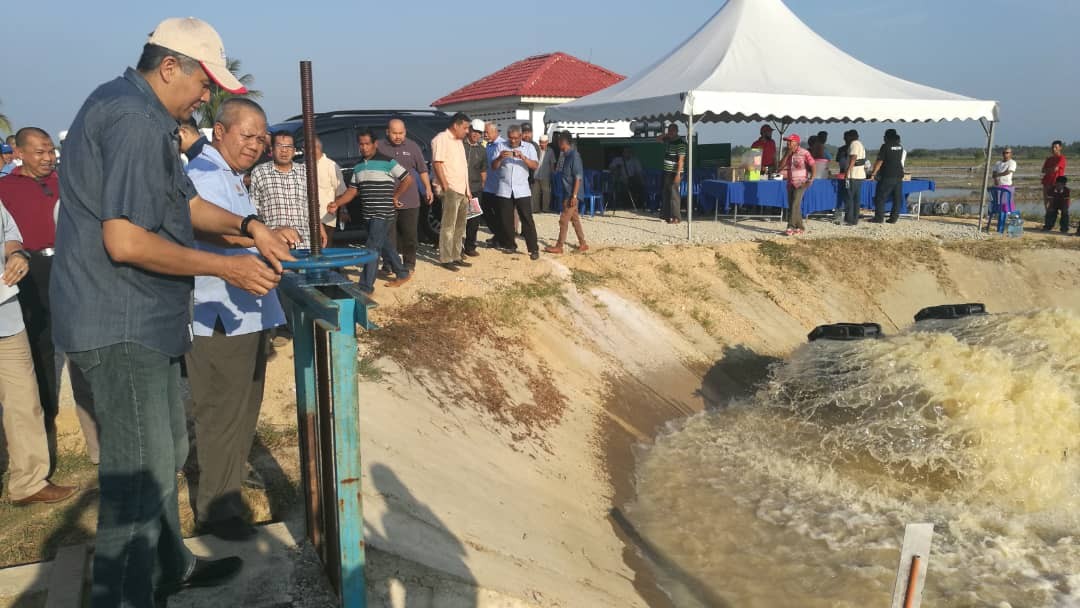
{"points": [[798, 166]]}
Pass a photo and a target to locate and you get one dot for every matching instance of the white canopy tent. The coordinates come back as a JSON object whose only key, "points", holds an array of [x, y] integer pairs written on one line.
{"points": [[755, 60]]}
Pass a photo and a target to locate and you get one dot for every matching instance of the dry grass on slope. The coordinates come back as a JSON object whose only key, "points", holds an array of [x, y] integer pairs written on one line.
{"points": [[475, 349]]}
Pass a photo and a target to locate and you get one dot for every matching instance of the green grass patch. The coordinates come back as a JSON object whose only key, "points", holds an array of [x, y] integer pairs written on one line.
{"points": [[733, 275], [783, 257], [276, 437], [368, 370], [704, 319], [586, 279]]}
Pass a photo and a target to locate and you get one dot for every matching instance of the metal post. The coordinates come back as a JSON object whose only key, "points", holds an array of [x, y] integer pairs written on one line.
{"points": [[307, 105], [307, 418], [347, 443], [326, 309], [690, 171], [986, 173]]}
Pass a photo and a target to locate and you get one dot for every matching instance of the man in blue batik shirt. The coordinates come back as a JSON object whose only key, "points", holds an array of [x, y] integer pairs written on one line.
{"points": [[227, 362]]}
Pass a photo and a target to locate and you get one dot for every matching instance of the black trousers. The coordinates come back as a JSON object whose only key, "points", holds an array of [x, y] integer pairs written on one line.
{"points": [[34, 301], [471, 228], [1052, 217], [671, 205], [889, 187], [489, 204], [523, 206], [404, 235]]}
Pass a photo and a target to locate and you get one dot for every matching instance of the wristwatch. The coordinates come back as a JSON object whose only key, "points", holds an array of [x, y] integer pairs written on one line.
{"points": [[22, 253], [247, 220]]}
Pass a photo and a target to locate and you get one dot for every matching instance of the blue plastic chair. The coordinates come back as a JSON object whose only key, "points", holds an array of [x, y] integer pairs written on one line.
{"points": [[592, 192], [654, 182], [1001, 204]]}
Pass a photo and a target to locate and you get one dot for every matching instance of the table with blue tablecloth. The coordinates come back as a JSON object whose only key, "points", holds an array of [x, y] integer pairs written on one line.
{"points": [[765, 193], [823, 195], [914, 186]]}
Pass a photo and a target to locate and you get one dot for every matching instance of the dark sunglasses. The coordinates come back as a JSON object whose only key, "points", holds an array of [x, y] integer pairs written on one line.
{"points": [[45, 188]]}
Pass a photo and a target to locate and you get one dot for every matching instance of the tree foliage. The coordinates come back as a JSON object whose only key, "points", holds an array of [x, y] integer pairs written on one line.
{"points": [[218, 95]]}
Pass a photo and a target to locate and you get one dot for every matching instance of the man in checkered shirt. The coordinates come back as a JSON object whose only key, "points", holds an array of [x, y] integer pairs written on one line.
{"points": [[279, 191]]}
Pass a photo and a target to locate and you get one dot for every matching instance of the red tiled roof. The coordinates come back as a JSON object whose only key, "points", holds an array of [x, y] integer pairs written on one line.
{"points": [[551, 75]]}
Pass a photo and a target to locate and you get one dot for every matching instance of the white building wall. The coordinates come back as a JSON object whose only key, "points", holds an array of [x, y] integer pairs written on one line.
{"points": [[508, 111]]}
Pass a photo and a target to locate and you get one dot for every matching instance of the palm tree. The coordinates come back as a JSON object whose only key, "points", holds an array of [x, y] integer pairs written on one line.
{"points": [[218, 95], [5, 124]]}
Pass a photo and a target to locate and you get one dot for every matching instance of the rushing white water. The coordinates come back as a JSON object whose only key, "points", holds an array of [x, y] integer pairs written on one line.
{"points": [[799, 495]]}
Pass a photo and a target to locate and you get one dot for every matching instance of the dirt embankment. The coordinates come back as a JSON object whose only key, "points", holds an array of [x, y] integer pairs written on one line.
{"points": [[501, 405]]}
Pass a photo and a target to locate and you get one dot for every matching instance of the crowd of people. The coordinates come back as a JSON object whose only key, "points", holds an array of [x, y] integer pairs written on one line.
{"points": [[800, 166], [113, 282], [167, 247]]}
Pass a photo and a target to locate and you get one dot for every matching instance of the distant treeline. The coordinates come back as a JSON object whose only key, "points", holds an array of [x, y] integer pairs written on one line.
{"points": [[1019, 152]]}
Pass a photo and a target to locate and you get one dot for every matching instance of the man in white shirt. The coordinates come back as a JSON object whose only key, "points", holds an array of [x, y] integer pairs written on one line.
{"points": [[1004, 169], [855, 175], [541, 191], [331, 186]]}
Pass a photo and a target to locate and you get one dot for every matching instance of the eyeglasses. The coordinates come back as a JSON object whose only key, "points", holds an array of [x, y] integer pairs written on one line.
{"points": [[45, 189]]}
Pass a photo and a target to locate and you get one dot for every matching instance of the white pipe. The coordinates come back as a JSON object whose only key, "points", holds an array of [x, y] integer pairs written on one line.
{"points": [[690, 173]]}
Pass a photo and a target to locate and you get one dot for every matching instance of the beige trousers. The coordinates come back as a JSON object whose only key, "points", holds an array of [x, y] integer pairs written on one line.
{"points": [[23, 419], [452, 233]]}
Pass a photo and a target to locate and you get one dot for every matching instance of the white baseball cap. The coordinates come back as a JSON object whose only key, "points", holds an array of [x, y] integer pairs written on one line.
{"points": [[477, 125], [198, 40]]}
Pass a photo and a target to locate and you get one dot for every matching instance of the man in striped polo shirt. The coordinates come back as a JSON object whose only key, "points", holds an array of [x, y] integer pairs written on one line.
{"points": [[380, 182]]}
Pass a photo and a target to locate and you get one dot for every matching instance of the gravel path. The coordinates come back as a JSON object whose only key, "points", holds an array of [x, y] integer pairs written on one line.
{"points": [[628, 229]]}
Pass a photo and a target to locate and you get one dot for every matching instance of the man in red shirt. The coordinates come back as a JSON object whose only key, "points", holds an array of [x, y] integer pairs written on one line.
{"points": [[1053, 168], [31, 194], [767, 146]]}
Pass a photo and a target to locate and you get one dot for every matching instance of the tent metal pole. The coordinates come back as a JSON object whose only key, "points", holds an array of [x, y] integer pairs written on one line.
{"points": [[986, 175], [690, 174]]}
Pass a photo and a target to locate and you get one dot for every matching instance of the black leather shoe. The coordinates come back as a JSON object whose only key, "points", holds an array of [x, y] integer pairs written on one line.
{"points": [[449, 266], [893, 220], [534, 255], [206, 573], [472, 253], [254, 480], [233, 529], [461, 263]]}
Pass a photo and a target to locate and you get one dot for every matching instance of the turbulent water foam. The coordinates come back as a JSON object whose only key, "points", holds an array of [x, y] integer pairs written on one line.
{"points": [[799, 496]]}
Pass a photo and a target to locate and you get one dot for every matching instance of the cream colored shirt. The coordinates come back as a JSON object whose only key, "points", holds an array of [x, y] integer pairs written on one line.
{"points": [[858, 152], [446, 149], [331, 186]]}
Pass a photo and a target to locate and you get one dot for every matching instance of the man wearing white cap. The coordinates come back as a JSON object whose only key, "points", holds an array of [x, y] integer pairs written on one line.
{"points": [[123, 275]]}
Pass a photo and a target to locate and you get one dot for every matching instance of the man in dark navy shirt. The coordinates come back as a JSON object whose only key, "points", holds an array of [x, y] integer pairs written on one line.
{"points": [[889, 170], [123, 275]]}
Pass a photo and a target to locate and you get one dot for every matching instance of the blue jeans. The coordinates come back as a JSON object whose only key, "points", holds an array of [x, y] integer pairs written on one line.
{"points": [[143, 443], [378, 240]]}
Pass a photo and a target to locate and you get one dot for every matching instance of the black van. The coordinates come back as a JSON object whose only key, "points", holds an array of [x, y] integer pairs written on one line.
{"points": [[338, 131]]}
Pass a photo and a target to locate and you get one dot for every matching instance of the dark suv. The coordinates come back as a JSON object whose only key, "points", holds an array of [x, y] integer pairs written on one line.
{"points": [[338, 132]]}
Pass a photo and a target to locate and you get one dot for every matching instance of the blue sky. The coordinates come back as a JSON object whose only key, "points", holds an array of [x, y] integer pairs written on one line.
{"points": [[395, 55]]}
